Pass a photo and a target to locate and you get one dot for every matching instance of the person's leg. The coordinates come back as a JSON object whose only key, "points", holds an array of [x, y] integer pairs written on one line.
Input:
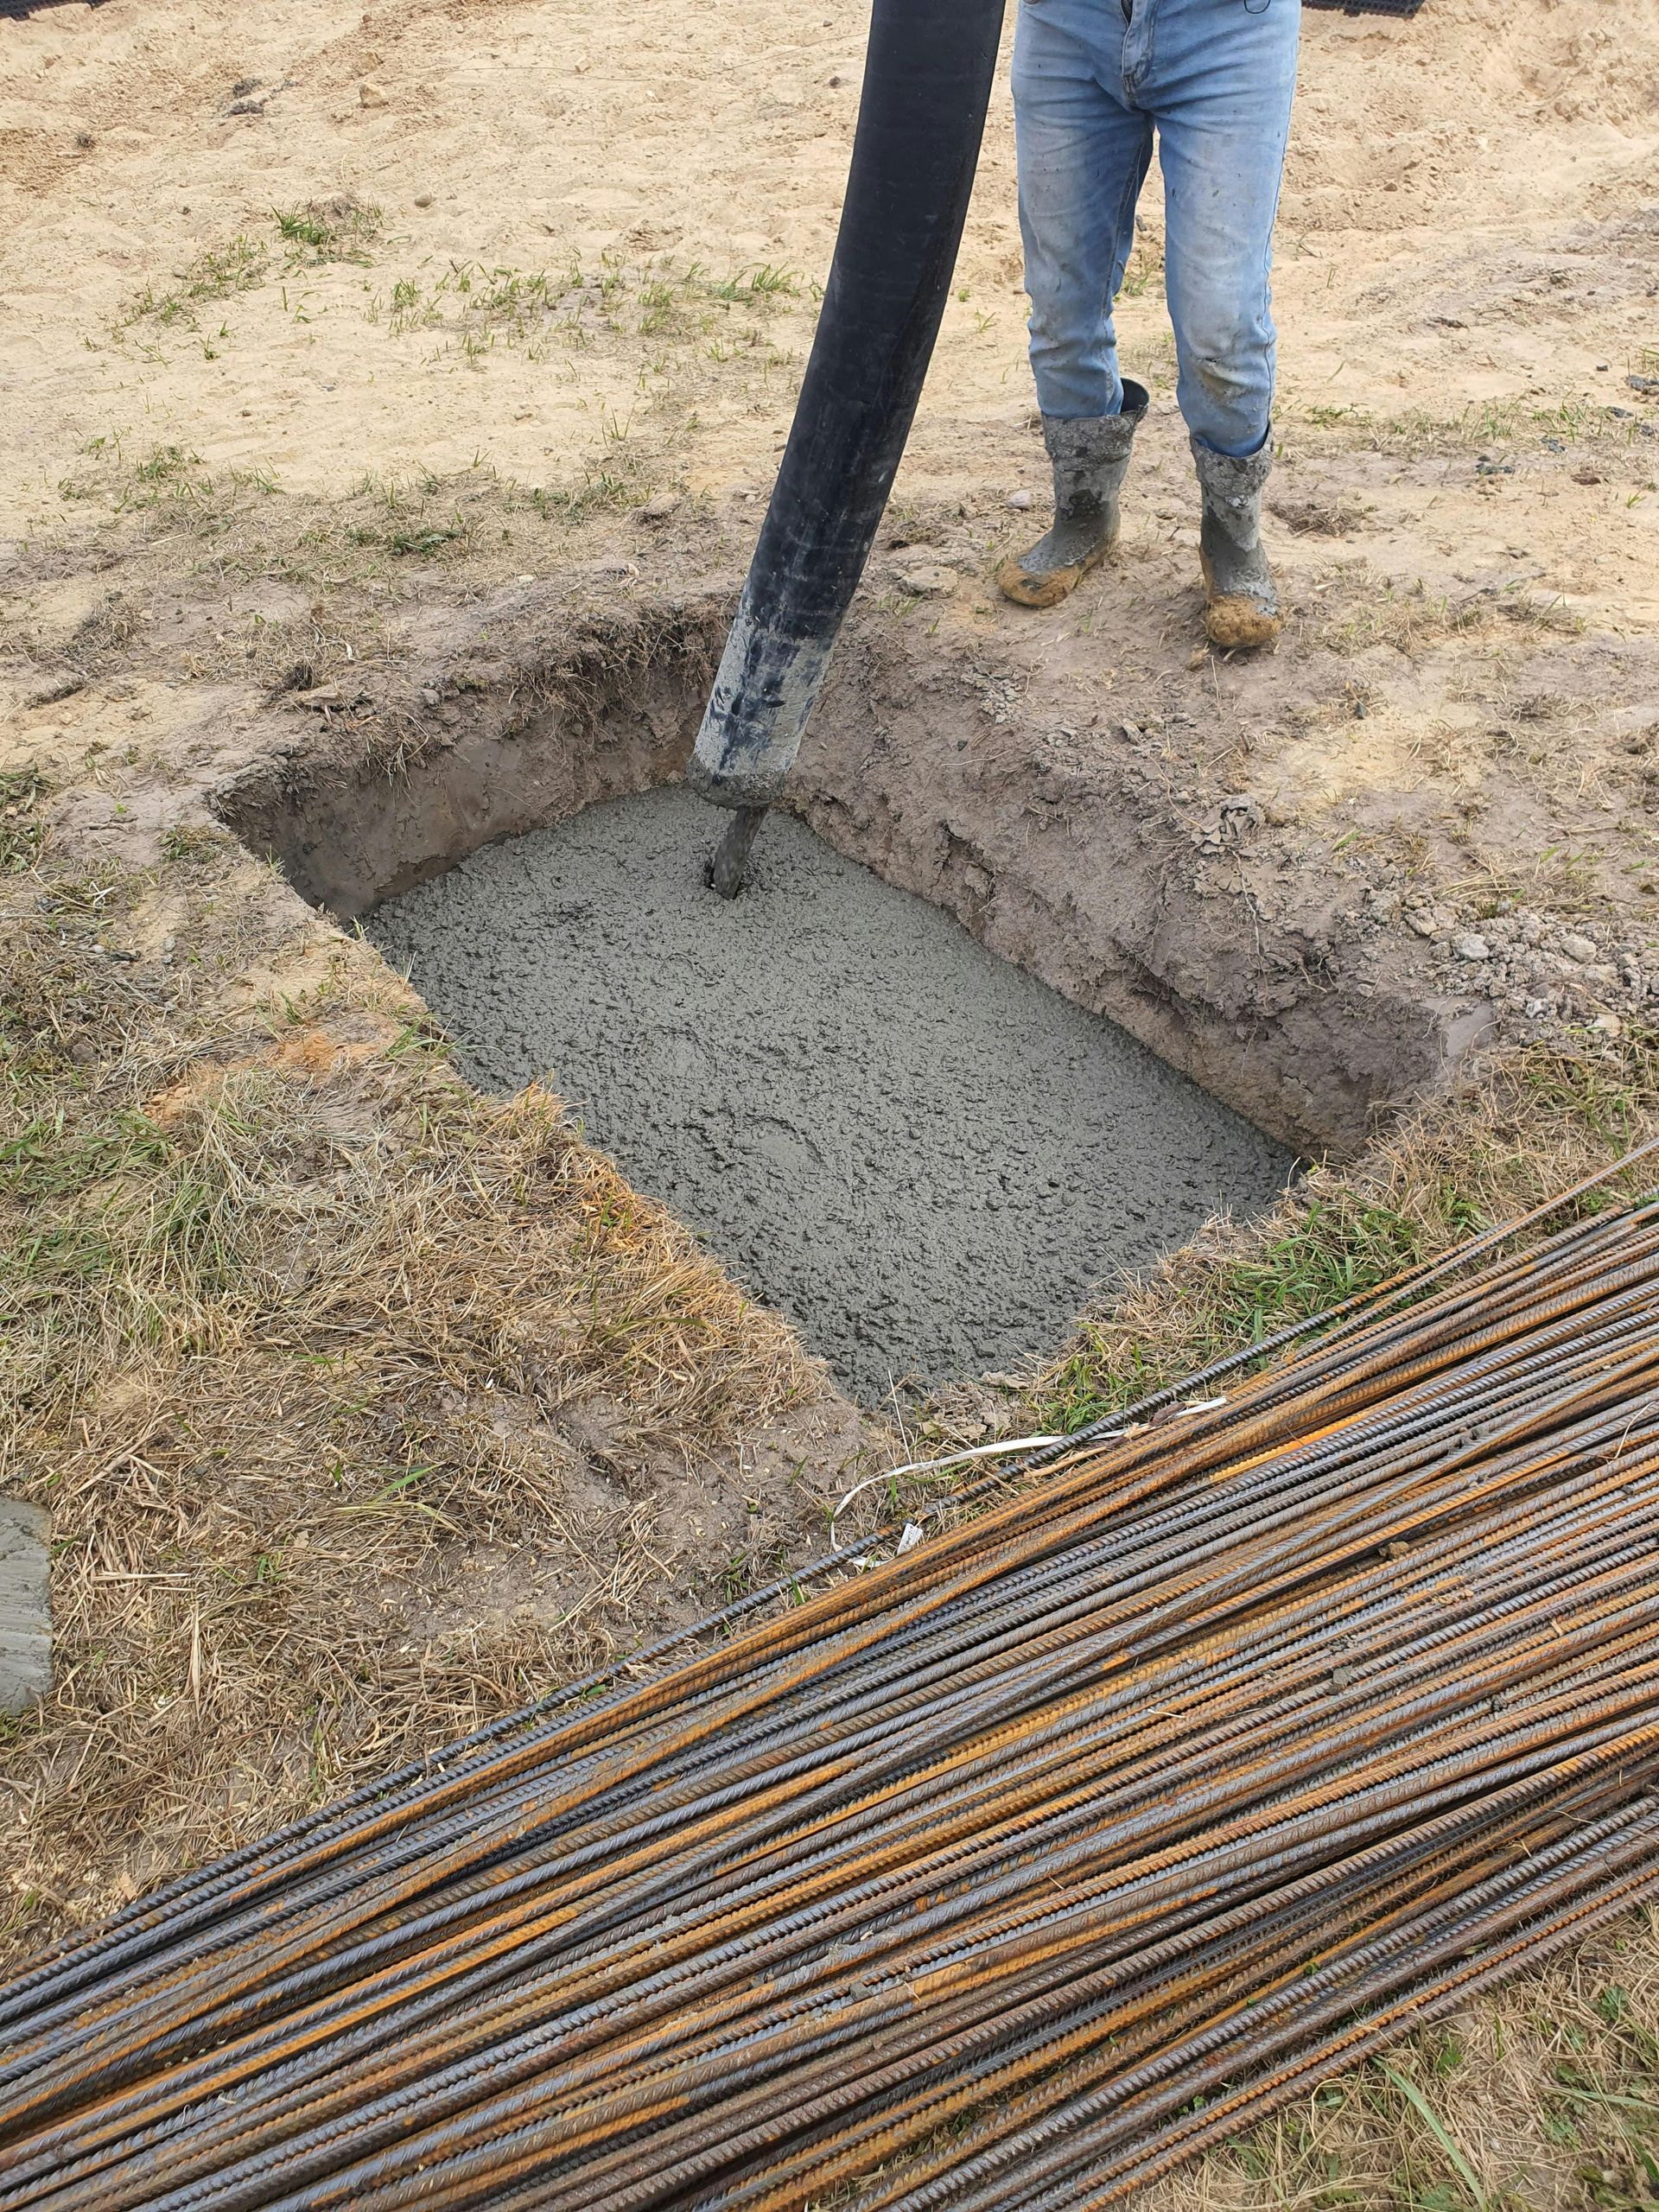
{"points": [[1220, 77], [1082, 157], [1084, 154]]}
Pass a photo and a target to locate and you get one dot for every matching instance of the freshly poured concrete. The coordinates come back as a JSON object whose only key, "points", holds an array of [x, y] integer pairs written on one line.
{"points": [[922, 1156]]}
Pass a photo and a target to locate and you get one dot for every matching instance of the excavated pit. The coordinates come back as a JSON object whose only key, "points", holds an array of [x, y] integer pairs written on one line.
{"points": [[923, 1157], [924, 1126]]}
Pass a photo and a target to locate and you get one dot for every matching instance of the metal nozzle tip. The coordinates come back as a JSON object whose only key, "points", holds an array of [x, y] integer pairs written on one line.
{"points": [[728, 866]]}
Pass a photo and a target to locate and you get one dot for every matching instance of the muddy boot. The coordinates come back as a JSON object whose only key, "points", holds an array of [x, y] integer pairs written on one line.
{"points": [[1091, 458], [1242, 601]]}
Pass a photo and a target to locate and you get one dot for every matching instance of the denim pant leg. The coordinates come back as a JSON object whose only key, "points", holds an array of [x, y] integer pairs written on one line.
{"points": [[1220, 77], [1084, 156]]}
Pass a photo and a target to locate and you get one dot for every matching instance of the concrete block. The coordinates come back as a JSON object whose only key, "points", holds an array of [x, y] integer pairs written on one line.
{"points": [[25, 1608]]}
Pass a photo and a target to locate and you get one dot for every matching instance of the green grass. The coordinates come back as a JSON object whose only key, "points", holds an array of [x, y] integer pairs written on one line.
{"points": [[308, 237], [50, 1158], [1468, 2180], [300, 229], [195, 842], [611, 490], [165, 465], [1481, 425], [213, 275], [1549, 1113], [323, 232], [765, 282], [120, 1226], [480, 306], [170, 485], [1334, 1252]]}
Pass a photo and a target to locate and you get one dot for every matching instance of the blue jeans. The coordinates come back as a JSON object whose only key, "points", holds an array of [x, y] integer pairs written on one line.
{"points": [[1092, 80]]}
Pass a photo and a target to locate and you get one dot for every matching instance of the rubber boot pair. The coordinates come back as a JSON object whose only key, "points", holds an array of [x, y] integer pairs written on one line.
{"points": [[1091, 459]]}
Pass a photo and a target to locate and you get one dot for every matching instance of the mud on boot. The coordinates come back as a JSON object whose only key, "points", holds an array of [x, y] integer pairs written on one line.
{"points": [[1242, 600], [1090, 457]]}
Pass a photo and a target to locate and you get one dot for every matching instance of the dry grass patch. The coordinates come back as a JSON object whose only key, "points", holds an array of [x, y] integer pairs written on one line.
{"points": [[364, 1408], [1321, 517], [183, 542], [1412, 620]]}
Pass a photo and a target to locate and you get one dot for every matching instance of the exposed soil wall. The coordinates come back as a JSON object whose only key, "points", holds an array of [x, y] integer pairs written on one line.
{"points": [[911, 768], [1079, 876], [479, 748]]}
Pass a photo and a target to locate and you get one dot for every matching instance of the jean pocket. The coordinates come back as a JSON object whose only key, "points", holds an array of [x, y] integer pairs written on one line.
{"points": [[1257, 7]]}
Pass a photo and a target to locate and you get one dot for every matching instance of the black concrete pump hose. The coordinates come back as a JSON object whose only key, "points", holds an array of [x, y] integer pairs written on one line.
{"points": [[928, 83]]}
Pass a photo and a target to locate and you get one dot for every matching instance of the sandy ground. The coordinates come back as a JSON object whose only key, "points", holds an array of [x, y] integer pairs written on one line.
{"points": [[307, 327], [1468, 220], [364, 1405]]}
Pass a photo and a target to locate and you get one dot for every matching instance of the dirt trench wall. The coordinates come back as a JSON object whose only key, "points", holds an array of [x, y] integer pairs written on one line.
{"points": [[1081, 876], [362, 800], [1074, 872]]}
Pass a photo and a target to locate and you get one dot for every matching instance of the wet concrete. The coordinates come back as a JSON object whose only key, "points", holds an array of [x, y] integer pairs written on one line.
{"points": [[922, 1155]]}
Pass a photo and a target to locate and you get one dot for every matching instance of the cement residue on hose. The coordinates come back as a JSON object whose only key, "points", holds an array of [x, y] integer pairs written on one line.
{"points": [[922, 1155]]}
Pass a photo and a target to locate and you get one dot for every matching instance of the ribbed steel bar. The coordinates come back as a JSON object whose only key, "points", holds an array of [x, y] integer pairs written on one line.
{"points": [[983, 1879], [177, 1904]]}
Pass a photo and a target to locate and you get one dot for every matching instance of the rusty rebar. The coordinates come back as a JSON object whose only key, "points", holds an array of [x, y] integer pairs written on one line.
{"points": [[1001, 1876]]}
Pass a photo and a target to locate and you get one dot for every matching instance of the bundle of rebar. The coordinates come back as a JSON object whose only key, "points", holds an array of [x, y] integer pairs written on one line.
{"points": [[1004, 1874]]}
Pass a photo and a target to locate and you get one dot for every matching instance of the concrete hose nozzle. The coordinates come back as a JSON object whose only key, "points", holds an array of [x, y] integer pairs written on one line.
{"points": [[927, 83]]}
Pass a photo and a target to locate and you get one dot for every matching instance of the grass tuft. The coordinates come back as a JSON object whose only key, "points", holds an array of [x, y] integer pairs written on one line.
{"points": [[322, 231], [23, 824]]}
